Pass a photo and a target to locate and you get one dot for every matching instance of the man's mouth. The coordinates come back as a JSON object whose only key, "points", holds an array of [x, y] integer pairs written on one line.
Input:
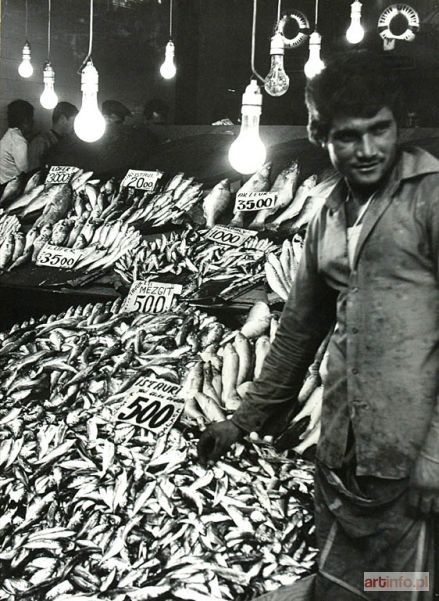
{"points": [[366, 168]]}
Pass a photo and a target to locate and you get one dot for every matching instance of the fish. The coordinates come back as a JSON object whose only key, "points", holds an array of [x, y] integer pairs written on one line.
{"points": [[312, 205], [210, 407], [19, 242], [7, 251], [25, 199], [262, 348], [258, 320], [60, 232], [244, 351], [42, 239], [12, 189], [285, 187], [57, 201], [293, 209], [258, 182], [230, 371], [217, 202]]}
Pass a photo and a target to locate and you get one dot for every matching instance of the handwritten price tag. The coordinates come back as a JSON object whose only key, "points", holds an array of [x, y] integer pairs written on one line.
{"points": [[151, 297], [58, 256], [60, 174], [141, 180], [153, 405], [255, 201], [231, 236]]}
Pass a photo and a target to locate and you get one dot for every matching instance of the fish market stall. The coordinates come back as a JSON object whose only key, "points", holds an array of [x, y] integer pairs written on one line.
{"points": [[101, 491]]}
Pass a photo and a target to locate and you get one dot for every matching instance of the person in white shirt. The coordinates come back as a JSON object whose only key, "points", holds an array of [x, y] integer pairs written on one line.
{"points": [[13, 145]]}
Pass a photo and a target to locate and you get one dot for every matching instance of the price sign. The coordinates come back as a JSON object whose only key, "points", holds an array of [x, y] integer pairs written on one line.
{"points": [[58, 256], [60, 174], [231, 236], [255, 201], [141, 180], [153, 405], [151, 297]]}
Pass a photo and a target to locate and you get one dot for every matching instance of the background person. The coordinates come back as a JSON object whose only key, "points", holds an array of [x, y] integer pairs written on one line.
{"points": [[370, 265], [63, 117], [14, 146]]}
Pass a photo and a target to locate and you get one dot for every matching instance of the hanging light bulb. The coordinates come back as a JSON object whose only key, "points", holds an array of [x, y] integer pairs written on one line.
{"points": [[314, 65], [277, 81], [168, 69], [247, 153], [355, 32], [89, 123], [25, 68], [48, 98]]}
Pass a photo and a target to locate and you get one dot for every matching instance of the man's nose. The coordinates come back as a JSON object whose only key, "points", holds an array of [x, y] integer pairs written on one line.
{"points": [[367, 146]]}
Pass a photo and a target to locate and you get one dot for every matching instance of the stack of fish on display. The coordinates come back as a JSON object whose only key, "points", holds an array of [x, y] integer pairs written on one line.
{"points": [[200, 264], [100, 509]]}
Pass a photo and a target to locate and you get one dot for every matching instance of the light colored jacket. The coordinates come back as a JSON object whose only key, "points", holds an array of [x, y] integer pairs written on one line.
{"points": [[13, 154]]}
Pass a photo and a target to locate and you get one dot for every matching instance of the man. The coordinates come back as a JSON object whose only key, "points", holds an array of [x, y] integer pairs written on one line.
{"points": [[115, 112], [63, 117], [13, 145], [371, 265]]}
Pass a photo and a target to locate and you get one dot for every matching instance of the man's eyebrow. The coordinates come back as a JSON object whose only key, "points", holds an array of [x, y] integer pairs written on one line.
{"points": [[352, 131]]}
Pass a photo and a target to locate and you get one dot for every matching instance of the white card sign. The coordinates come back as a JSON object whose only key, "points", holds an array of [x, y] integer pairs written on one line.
{"points": [[141, 180], [151, 297], [231, 236], [152, 404], [60, 174], [58, 256], [255, 201]]}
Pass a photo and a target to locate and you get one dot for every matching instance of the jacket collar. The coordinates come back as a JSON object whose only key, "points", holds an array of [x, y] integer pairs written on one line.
{"points": [[412, 162]]}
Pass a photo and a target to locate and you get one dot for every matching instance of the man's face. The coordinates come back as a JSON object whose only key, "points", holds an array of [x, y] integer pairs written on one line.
{"points": [[65, 125], [363, 149]]}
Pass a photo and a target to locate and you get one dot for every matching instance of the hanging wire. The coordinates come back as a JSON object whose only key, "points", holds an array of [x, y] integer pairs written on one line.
{"points": [[279, 8], [255, 10], [170, 18], [26, 19], [90, 42], [49, 29], [316, 17]]}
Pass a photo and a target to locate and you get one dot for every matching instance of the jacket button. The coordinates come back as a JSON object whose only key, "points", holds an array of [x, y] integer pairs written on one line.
{"points": [[354, 371], [355, 330]]}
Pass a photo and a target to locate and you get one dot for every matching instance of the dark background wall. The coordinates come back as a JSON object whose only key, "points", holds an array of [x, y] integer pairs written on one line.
{"points": [[213, 54]]}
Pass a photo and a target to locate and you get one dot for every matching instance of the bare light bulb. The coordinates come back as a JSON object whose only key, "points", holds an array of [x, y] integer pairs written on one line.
{"points": [[355, 32], [168, 69], [277, 81], [314, 65], [247, 153], [48, 98], [89, 123], [25, 68]]}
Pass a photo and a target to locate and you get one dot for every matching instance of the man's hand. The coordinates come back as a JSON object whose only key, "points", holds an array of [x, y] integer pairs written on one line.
{"points": [[424, 486], [216, 440]]}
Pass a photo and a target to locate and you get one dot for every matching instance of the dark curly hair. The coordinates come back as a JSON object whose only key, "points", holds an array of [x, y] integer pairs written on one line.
{"points": [[357, 83]]}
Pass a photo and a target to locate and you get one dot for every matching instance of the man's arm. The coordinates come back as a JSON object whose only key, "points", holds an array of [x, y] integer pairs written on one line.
{"points": [[306, 319], [37, 148]]}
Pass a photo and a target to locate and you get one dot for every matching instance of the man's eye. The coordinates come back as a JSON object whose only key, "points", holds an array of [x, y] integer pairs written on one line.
{"points": [[346, 138]]}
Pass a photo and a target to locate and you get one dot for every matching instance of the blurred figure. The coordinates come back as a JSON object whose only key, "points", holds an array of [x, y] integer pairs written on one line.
{"points": [[63, 117], [115, 112], [156, 112], [14, 146]]}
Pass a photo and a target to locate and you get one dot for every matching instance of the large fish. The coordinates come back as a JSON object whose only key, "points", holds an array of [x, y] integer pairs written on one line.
{"points": [[311, 206], [25, 199], [259, 182], [12, 189], [300, 197], [284, 186], [217, 201], [7, 251], [32, 182], [59, 200]]}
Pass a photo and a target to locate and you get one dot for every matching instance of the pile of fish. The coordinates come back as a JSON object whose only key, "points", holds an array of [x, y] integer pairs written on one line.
{"points": [[99, 509], [101, 244], [217, 382], [295, 204], [281, 268], [110, 202], [203, 261], [8, 224]]}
